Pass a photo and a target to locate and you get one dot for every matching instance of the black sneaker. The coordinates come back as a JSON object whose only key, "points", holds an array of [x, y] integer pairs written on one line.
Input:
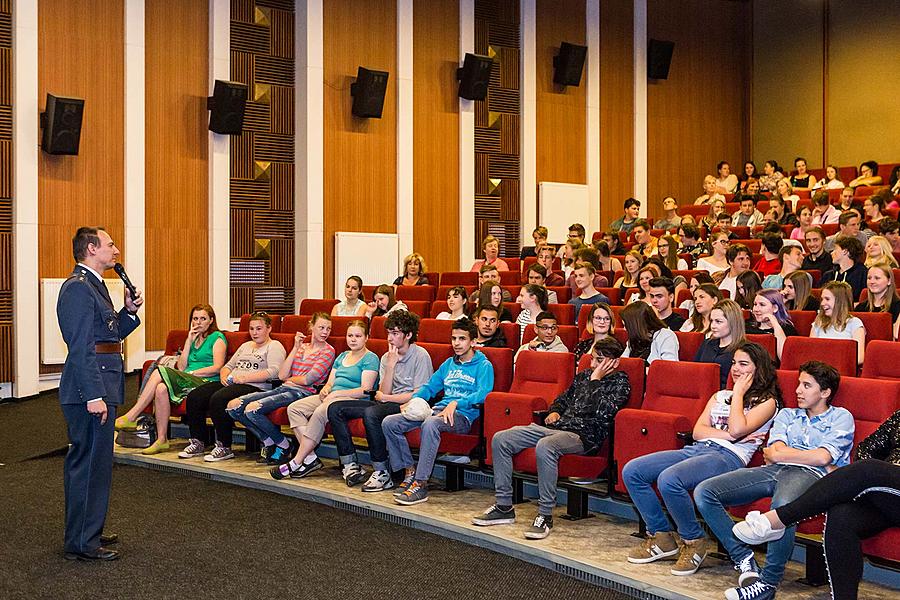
{"points": [[278, 456], [307, 468], [540, 528], [495, 516], [354, 474], [264, 454]]}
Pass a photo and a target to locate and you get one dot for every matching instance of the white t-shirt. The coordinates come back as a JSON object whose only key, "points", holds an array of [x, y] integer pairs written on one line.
{"points": [[718, 418], [704, 265], [853, 324]]}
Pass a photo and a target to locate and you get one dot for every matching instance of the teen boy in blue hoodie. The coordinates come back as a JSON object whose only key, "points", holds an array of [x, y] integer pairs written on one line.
{"points": [[466, 378]]}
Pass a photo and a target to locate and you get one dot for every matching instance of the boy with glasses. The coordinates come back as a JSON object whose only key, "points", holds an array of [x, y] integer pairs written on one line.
{"points": [[546, 338], [578, 423]]}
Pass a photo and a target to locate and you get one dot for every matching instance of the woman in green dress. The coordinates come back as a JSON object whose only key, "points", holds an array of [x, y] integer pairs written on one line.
{"points": [[198, 362]]}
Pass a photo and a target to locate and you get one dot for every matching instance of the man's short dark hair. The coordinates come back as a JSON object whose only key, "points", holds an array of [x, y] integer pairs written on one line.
{"points": [[774, 229], [787, 249], [736, 249], [846, 216], [487, 308], [577, 228], [817, 230], [405, 321], [821, 198], [641, 223], [545, 314], [539, 269], [888, 225], [663, 282], [852, 245], [608, 347], [772, 242], [691, 231], [631, 202], [723, 216], [825, 375], [83, 237], [468, 325], [751, 197]]}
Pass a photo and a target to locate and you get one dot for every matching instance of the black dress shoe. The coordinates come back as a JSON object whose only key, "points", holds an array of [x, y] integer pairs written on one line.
{"points": [[100, 553], [106, 540]]}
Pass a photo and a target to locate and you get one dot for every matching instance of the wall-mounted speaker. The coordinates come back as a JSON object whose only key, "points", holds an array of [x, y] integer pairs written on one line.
{"points": [[568, 64], [659, 58], [62, 125], [226, 106], [368, 93], [474, 76]]}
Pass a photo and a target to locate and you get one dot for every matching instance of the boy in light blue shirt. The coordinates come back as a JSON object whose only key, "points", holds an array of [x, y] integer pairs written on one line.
{"points": [[805, 443]]}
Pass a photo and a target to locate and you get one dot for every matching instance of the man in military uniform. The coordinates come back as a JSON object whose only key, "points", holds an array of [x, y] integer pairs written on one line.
{"points": [[92, 385]]}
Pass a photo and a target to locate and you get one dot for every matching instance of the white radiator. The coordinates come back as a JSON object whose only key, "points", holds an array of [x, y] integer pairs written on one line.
{"points": [[372, 256], [53, 348]]}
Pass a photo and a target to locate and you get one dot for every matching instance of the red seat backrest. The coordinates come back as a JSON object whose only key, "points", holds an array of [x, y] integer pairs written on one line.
{"points": [[563, 293], [667, 392], [438, 353], [565, 313], [682, 295], [755, 244], [802, 320], [871, 401], [514, 308], [841, 354], [376, 328], [415, 292], [881, 360], [339, 343], [286, 339], [377, 346], [766, 340], [513, 263], [502, 361], [878, 326], [511, 332], [175, 341], [420, 307], [452, 278], [434, 331], [510, 278], [310, 305], [544, 374], [688, 344], [513, 291], [636, 370], [244, 324], [294, 323], [567, 333], [788, 381], [235, 339]]}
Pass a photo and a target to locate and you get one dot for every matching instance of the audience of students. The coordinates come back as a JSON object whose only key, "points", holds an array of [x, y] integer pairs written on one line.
{"points": [[546, 256], [661, 295], [539, 235], [738, 257], [817, 258], [667, 248], [768, 314], [868, 175], [771, 176], [882, 295], [830, 181], [670, 220], [802, 179], [706, 296], [746, 285], [490, 294], [489, 334], [718, 261], [824, 213], [710, 193], [804, 223], [533, 300], [588, 294], [644, 243], [879, 252], [537, 275], [747, 215]]}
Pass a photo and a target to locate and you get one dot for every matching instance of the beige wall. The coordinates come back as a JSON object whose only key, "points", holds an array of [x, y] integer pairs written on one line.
{"points": [[843, 115]]}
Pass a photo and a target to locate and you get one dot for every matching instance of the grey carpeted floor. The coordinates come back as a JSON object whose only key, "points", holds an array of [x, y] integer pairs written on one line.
{"points": [[186, 538]]}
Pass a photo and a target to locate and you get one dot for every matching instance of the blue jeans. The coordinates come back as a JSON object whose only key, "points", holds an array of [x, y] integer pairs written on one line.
{"points": [[395, 428], [675, 472], [783, 483], [256, 421], [372, 414]]}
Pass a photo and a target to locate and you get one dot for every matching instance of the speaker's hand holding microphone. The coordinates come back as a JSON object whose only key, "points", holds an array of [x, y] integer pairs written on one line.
{"points": [[134, 298]]}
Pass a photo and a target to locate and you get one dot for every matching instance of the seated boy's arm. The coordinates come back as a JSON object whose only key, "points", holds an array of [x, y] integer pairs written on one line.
{"points": [[779, 452]]}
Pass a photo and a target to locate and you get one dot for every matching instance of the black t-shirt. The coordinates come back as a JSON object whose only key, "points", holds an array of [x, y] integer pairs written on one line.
{"points": [[822, 264], [674, 321], [498, 340], [894, 310], [753, 327], [855, 277], [711, 352]]}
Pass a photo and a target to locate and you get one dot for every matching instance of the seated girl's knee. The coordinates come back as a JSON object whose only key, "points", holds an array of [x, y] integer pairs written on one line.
{"points": [[252, 407]]}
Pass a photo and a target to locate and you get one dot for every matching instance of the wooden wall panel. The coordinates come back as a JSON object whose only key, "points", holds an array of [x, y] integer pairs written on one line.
{"points": [[177, 176], [561, 110], [616, 108], [698, 116], [360, 155], [497, 128], [6, 169], [436, 133], [262, 158], [81, 54]]}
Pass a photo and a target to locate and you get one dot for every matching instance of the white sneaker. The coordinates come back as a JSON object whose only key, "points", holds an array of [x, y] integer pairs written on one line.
{"points": [[379, 481], [218, 453], [194, 448], [756, 529]]}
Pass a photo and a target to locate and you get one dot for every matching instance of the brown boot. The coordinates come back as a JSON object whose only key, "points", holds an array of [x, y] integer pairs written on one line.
{"points": [[662, 545]]}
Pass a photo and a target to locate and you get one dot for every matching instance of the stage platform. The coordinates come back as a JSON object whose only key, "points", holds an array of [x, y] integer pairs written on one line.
{"points": [[591, 550]]}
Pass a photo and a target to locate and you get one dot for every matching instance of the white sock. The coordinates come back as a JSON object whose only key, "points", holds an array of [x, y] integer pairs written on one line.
{"points": [[284, 444], [310, 458]]}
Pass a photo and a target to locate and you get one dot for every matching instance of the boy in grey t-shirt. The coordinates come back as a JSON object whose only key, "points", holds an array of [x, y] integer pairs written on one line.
{"points": [[405, 367]]}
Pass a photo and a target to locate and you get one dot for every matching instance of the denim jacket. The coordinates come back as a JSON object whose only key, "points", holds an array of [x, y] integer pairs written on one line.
{"points": [[832, 430]]}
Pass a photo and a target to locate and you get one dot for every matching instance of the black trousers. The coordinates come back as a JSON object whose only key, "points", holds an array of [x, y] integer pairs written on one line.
{"points": [[859, 504], [211, 399], [372, 413]]}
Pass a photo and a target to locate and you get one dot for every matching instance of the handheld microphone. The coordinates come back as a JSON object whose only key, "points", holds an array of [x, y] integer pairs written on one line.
{"points": [[120, 271]]}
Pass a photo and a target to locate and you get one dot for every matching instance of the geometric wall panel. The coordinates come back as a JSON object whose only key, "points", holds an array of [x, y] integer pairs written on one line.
{"points": [[262, 158]]}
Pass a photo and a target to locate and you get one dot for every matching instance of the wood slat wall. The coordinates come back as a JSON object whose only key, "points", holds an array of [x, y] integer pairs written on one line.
{"points": [[561, 110], [436, 133], [262, 158], [6, 170], [699, 115], [176, 189], [616, 108], [360, 159], [80, 54]]}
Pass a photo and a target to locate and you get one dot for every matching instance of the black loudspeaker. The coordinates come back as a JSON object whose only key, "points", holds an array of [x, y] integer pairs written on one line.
{"points": [[368, 93], [659, 57], [568, 64], [474, 76], [62, 125], [226, 107]]}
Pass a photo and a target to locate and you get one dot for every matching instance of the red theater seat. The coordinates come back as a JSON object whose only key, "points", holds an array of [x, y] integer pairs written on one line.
{"points": [[802, 320], [636, 370], [510, 278], [765, 340], [567, 333], [434, 331], [878, 326], [451, 278], [563, 293], [376, 328], [669, 407], [419, 307], [511, 332], [841, 354], [415, 292], [286, 339], [310, 305], [689, 343], [502, 361], [565, 313], [882, 360]]}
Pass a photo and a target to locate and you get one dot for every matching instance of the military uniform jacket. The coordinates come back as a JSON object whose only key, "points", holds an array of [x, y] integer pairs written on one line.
{"points": [[86, 317]]}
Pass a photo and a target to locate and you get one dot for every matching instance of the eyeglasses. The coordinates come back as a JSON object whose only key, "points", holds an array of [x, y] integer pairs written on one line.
{"points": [[548, 327], [723, 242], [602, 319]]}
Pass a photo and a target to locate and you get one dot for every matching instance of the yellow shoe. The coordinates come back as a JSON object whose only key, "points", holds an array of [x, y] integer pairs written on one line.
{"points": [[123, 424], [156, 447]]}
